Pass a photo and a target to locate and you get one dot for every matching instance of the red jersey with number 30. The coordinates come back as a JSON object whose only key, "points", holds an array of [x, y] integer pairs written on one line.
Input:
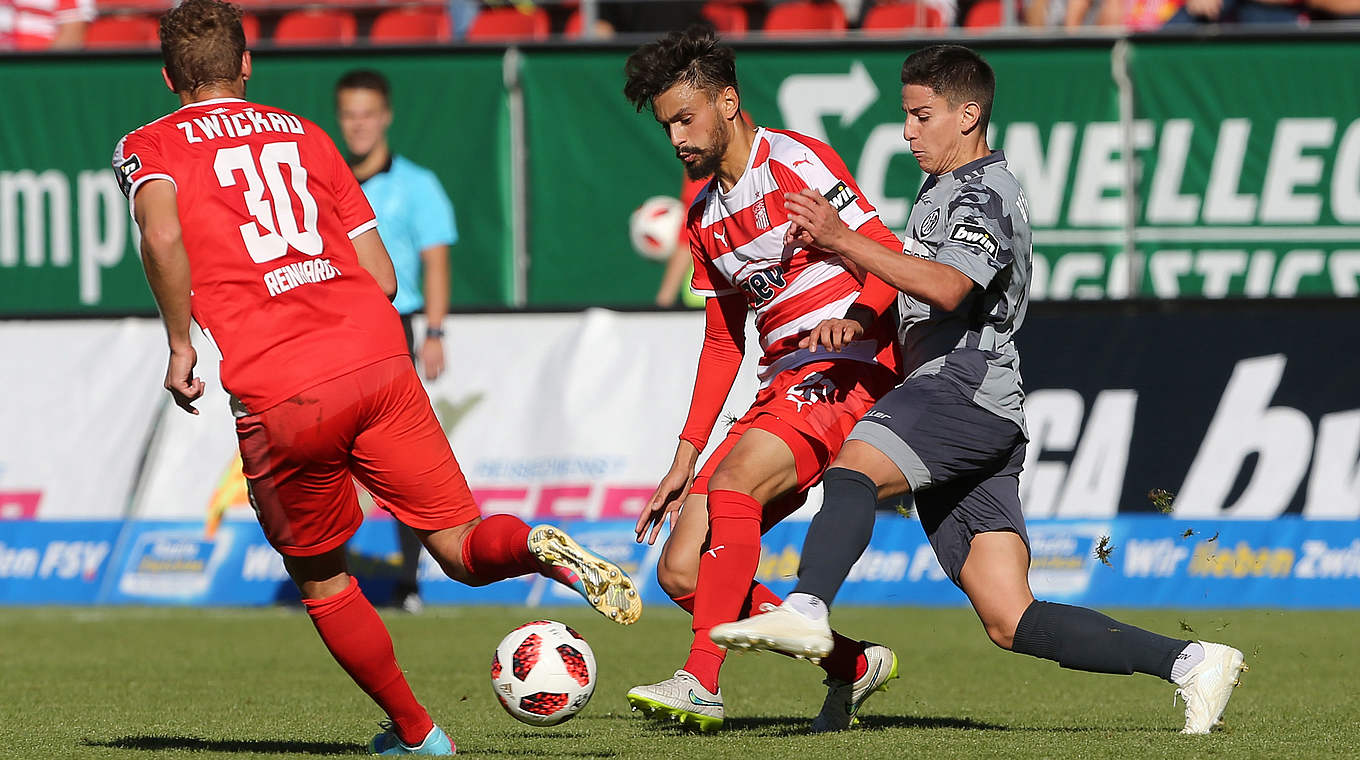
{"points": [[268, 208]]}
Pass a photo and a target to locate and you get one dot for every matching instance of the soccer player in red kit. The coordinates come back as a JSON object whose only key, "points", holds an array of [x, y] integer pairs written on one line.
{"points": [[807, 402], [253, 224]]}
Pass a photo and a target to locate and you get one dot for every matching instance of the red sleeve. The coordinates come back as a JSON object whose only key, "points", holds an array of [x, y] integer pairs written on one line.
{"points": [[707, 280], [724, 344], [877, 294], [689, 190], [356, 215], [137, 159]]}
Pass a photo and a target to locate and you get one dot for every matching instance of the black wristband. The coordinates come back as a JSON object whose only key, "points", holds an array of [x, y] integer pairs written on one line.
{"points": [[434, 332]]}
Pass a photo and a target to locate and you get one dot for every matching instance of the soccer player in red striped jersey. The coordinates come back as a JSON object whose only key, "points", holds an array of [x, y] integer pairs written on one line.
{"points": [[807, 402], [253, 224]]}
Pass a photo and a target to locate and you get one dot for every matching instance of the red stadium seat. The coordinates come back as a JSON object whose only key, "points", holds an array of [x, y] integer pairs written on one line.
{"points": [[315, 26], [728, 18], [250, 24], [509, 24], [123, 32], [803, 17], [573, 28], [983, 14], [144, 6], [891, 18], [412, 24]]}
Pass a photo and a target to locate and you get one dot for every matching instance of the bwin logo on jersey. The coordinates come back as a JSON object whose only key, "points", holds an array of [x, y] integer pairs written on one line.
{"points": [[840, 196], [975, 234]]}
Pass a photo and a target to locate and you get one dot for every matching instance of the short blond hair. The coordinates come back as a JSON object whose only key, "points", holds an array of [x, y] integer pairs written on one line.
{"points": [[202, 43]]}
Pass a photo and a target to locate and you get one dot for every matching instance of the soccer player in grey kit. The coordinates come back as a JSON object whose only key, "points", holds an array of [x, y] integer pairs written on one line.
{"points": [[953, 433]]}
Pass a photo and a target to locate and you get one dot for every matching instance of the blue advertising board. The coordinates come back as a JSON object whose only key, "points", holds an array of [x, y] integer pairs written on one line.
{"points": [[1148, 560]]}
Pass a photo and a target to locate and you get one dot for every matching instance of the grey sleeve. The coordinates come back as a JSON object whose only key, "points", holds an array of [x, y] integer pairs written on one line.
{"points": [[978, 233]]}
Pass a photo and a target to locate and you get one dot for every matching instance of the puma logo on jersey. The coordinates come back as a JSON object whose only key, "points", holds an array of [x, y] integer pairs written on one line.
{"points": [[815, 387], [840, 196], [721, 236], [801, 161], [975, 235]]}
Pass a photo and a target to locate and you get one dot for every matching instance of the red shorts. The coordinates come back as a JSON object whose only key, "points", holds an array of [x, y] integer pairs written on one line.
{"points": [[374, 425], [811, 408]]}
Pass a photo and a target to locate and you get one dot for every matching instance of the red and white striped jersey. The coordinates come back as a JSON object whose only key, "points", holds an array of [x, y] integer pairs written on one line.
{"points": [[737, 240], [32, 24]]}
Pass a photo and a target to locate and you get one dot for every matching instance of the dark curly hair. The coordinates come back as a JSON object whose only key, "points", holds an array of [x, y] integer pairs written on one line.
{"points": [[956, 72], [694, 57], [201, 43]]}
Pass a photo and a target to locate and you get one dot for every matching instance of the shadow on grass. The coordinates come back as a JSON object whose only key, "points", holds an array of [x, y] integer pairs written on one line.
{"points": [[198, 744], [555, 750], [799, 726]]}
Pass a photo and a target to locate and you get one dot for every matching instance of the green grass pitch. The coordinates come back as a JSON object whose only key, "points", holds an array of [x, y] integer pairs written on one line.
{"points": [[133, 684]]}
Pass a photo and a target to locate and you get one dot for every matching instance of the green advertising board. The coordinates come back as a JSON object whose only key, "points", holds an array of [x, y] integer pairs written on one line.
{"points": [[67, 243], [1238, 190], [1251, 178]]}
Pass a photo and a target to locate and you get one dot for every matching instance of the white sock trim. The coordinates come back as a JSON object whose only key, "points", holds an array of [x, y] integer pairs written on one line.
{"points": [[807, 605], [1192, 655]]}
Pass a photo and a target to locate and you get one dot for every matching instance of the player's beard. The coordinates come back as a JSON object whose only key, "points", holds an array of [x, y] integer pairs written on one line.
{"points": [[710, 158]]}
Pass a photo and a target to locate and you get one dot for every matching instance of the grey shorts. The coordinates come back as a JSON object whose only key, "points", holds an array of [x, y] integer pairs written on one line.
{"points": [[961, 461]]}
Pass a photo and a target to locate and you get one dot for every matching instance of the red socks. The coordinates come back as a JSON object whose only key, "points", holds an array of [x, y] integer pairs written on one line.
{"points": [[726, 570], [498, 548], [845, 662], [359, 641]]}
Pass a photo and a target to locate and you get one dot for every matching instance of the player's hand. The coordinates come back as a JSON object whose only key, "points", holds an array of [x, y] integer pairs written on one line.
{"points": [[432, 357], [666, 502], [835, 334], [814, 220], [180, 381]]}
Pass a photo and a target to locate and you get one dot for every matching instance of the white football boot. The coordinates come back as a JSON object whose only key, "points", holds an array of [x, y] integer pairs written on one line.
{"points": [[844, 698], [1208, 685], [782, 629], [680, 698]]}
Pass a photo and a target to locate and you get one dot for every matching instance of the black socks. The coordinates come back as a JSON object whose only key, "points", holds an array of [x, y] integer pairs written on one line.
{"points": [[1083, 639], [838, 534]]}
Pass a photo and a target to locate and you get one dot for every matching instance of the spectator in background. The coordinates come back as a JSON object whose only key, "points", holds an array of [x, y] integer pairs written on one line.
{"points": [[1238, 12], [44, 24], [1138, 15], [647, 17], [461, 15], [1334, 10], [415, 219]]}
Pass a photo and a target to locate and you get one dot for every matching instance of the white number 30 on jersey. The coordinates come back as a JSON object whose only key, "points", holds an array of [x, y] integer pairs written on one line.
{"points": [[275, 215]]}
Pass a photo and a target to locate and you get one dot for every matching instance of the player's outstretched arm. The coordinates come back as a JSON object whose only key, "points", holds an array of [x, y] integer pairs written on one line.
{"points": [[719, 361], [670, 493], [374, 259], [815, 222], [167, 272]]}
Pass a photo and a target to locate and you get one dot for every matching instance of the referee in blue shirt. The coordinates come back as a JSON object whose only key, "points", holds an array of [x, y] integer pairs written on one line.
{"points": [[415, 219]]}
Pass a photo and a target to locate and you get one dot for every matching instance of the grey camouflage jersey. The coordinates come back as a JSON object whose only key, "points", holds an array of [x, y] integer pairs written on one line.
{"points": [[976, 220]]}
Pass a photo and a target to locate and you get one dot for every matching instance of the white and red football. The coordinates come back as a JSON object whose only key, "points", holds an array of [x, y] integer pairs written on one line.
{"points": [[543, 673], [654, 228]]}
